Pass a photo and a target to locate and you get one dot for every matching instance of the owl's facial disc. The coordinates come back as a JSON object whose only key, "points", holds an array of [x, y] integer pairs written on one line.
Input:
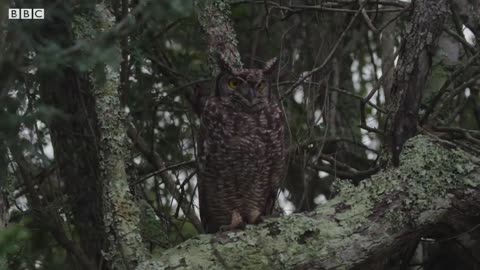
{"points": [[249, 93], [247, 88]]}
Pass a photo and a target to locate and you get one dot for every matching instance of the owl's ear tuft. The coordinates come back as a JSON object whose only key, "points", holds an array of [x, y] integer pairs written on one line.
{"points": [[270, 66], [224, 66], [197, 98]]}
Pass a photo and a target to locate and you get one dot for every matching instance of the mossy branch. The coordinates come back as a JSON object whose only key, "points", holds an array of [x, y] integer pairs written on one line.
{"points": [[366, 227]]}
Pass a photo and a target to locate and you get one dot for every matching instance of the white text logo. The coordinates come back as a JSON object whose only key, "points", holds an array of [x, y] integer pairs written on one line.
{"points": [[26, 13]]}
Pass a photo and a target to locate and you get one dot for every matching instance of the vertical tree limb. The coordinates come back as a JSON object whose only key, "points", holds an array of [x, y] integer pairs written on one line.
{"points": [[412, 71], [121, 214], [214, 18]]}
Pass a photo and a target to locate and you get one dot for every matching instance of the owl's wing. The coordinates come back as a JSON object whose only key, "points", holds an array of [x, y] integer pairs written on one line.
{"points": [[281, 159], [201, 160], [197, 98], [204, 177]]}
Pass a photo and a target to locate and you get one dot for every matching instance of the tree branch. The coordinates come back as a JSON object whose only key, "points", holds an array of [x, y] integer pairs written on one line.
{"points": [[158, 163], [412, 71], [384, 217], [214, 18], [468, 11]]}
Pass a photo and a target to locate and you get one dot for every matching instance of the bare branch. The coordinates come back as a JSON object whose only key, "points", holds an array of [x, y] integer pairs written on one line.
{"points": [[327, 59], [170, 183]]}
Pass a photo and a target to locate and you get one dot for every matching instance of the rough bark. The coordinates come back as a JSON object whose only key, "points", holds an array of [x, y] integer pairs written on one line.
{"points": [[90, 142], [412, 71], [121, 214], [435, 193], [214, 18]]}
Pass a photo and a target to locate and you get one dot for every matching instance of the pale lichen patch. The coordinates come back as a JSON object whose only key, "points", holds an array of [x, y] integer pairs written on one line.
{"points": [[346, 228]]}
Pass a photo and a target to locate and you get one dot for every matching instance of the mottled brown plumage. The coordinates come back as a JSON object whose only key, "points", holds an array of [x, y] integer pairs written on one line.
{"points": [[241, 150]]}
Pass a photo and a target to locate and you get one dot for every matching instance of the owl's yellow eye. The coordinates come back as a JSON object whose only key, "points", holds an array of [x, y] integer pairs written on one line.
{"points": [[233, 83], [261, 86]]}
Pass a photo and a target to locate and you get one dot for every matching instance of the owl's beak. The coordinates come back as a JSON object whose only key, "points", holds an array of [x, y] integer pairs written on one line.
{"points": [[251, 95], [247, 96]]}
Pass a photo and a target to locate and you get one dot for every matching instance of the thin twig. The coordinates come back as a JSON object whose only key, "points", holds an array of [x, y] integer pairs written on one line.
{"points": [[460, 39], [367, 19], [445, 86], [327, 59], [170, 184], [458, 90], [394, 18], [169, 168]]}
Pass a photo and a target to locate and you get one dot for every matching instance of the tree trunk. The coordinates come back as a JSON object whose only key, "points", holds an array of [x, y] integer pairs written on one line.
{"points": [[435, 194], [90, 142], [214, 18], [121, 214], [412, 71]]}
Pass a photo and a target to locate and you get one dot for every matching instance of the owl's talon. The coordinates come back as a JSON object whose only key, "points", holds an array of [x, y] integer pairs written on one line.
{"points": [[255, 217], [232, 227], [224, 228], [240, 226], [236, 223], [260, 219]]}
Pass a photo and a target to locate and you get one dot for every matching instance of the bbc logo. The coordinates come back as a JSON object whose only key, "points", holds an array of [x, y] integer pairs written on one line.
{"points": [[26, 13]]}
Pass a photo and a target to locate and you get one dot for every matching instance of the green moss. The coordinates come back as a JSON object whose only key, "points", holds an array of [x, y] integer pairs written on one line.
{"points": [[121, 214], [417, 191]]}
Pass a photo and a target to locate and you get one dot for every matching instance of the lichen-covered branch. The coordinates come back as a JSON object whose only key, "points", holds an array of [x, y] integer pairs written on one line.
{"points": [[413, 69], [214, 18], [366, 227], [121, 214]]}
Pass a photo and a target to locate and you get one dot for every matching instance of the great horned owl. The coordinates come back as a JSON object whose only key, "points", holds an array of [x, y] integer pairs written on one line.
{"points": [[241, 150]]}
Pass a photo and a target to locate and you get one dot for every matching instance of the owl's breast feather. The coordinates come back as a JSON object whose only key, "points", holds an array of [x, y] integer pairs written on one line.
{"points": [[249, 130]]}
